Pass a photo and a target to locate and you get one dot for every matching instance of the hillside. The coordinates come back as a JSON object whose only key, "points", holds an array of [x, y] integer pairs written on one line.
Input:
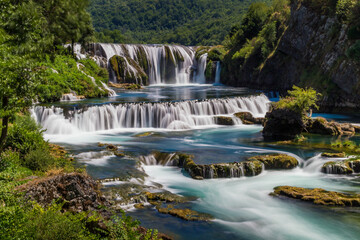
{"points": [[311, 44], [188, 22]]}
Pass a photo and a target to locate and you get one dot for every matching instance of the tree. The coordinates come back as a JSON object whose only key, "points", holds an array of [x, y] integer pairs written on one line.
{"points": [[22, 40], [299, 100]]}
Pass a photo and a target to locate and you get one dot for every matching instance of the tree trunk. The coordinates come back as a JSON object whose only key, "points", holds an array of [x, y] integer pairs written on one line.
{"points": [[5, 125]]}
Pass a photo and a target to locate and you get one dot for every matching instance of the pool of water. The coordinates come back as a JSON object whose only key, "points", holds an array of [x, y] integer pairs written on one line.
{"points": [[242, 207]]}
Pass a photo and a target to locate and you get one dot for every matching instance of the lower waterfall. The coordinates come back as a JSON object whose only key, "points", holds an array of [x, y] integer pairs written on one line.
{"points": [[167, 115]]}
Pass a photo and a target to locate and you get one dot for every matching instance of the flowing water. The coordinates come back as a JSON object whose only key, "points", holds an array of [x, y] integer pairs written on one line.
{"points": [[182, 119]]}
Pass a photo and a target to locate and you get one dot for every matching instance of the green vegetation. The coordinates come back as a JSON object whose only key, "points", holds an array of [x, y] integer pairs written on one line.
{"points": [[203, 22], [257, 35], [28, 155], [299, 100], [64, 74]]}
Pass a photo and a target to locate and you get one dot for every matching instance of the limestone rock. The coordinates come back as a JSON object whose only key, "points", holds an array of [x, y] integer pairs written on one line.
{"points": [[318, 196], [248, 118]]}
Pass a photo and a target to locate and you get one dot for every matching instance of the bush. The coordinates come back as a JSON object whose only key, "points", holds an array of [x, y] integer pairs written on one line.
{"points": [[354, 51], [25, 135], [39, 159], [344, 9], [299, 100], [8, 158]]}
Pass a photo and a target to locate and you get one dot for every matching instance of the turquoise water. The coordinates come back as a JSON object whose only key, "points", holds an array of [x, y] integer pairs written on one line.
{"points": [[242, 207]]}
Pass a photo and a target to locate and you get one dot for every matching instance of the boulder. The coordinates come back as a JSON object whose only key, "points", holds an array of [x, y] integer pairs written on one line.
{"points": [[78, 192], [334, 155], [349, 166], [248, 118], [276, 161], [282, 124], [323, 127], [126, 70], [221, 120], [318, 196]]}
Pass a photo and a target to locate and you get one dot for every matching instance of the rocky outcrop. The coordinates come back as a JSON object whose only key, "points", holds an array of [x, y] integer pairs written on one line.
{"points": [[276, 161], [126, 70], [322, 126], [226, 121], [318, 196], [77, 191], [311, 52], [282, 124], [349, 166], [334, 155], [248, 118]]}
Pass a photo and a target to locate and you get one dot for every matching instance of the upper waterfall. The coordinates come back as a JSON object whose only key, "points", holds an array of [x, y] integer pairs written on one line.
{"points": [[164, 115], [162, 64]]}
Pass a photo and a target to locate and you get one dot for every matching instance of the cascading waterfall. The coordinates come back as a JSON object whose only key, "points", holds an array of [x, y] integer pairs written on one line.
{"points": [[200, 72], [166, 115], [164, 63], [218, 72]]}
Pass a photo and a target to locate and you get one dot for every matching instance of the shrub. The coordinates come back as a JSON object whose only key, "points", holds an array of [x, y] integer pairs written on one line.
{"points": [[25, 135], [344, 8], [8, 158], [354, 51], [39, 159], [299, 100]]}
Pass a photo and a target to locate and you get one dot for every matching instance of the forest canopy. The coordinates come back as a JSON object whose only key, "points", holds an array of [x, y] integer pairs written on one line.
{"points": [[187, 22]]}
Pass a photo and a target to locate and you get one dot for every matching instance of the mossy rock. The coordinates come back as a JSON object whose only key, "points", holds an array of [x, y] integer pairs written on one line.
{"points": [[349, 166], [248, 118], [318, 196], [252, 168], [276, 161], [128, 71], [186, 214], [334, 155], [339, 167], [226, 121], [167, 197]]}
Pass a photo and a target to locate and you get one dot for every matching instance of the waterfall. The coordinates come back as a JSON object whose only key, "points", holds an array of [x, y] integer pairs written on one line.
{"points": [[200, 72], [163, 64], [218, 72], [166, 115]]}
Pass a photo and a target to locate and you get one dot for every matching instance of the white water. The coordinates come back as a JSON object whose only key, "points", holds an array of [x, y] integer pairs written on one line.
{"points": [[176, 116], [244, 206], [156, 58], [218, 72], [200, 72]]}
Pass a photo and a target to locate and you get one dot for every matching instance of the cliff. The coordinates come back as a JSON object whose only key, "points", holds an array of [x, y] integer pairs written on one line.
{"points": [[310, 53]]}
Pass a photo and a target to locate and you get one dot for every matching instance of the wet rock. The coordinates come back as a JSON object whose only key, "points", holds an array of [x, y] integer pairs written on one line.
{"points": [[248, 118], [322, 126], [127, 70], [318, 196], [78, 192], [112, 148], [127, 86], [226, 121], [342, 167], [186, 214], [282, 124], [276, 161], [334, 155]]}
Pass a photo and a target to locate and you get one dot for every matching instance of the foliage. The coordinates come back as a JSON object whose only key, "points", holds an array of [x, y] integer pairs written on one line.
{"points": [[344, 8], [63, 75], [216, 53], [187, 22], [299, 100], [354, 51], [25, 135]]}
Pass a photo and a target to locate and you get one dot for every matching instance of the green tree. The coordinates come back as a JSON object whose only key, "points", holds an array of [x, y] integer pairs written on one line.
{"points": [[300, 100]]}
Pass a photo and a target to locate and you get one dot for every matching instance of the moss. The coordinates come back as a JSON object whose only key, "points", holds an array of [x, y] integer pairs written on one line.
{"points": [[334, 155], [252, 168], [123, 73], [201, 51], [167, 197], [348, 166], [318, 196], [186, 214], [216, 53], [276, 161], [221, 120]]}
